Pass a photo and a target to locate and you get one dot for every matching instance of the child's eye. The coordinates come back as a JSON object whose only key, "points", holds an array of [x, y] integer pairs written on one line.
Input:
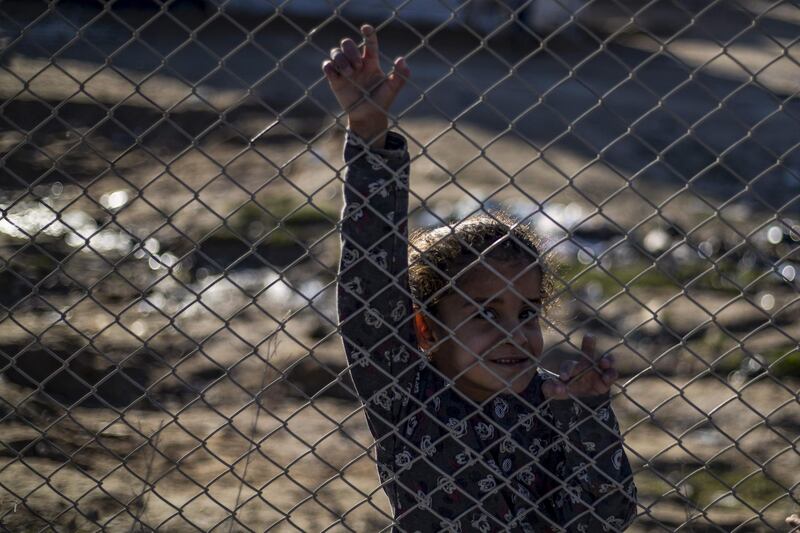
{"points": [[529, 314]]}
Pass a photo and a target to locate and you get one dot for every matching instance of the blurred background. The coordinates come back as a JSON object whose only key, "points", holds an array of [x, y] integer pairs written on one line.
{"points": [[170, 190]]}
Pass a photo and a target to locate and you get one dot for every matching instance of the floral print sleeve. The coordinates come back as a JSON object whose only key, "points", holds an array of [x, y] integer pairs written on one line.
{"points": [[373, 298], [591, 479]]}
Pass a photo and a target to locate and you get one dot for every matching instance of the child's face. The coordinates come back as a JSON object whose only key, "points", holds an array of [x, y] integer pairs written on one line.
{"points": [[496, 338]]}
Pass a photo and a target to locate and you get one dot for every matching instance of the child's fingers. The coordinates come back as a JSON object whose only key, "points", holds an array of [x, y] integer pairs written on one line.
{"points": [[588, 346], [399, 75], [554, 389], [330, 71], [610, 376], [351, 52], [341, 62], [370, 43], [567, 369]]}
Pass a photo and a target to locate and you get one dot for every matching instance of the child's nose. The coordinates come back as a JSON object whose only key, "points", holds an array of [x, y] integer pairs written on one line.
{"points": [[513, 330], [519, 335]]}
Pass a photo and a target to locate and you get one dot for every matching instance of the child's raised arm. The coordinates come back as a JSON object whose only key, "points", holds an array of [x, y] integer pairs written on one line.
{"points": [[373, 297]]}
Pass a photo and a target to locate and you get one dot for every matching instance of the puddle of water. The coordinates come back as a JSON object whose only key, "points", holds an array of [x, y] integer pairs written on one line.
{"points": [[766, 301], [774, 235], [114, 200], [552, 220], [788, 272], [705, 250], [226, 295], [657, 240], [584, 257], [29, 220], [708, 437], [593, 292]]}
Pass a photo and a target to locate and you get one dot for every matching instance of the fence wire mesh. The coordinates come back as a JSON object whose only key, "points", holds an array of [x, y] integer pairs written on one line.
{"points": [[171, 356]]}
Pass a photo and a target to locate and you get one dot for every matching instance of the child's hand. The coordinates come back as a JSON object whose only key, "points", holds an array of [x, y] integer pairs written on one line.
{"points": [[361, 87], [582, 378]]}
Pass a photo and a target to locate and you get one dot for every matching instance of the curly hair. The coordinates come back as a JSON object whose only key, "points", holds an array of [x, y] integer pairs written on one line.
{"points": [[438, 255]]}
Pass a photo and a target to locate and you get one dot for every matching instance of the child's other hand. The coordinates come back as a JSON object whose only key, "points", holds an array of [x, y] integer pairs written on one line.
{"points": [[587, 377], [362, 88]]}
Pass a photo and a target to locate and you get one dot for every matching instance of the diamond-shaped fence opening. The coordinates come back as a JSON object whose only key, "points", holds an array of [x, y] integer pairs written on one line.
{"points": [[212, 321]]}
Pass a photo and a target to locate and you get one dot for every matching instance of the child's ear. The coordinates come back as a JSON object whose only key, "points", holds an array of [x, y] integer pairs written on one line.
{"points": [[425, 336]]}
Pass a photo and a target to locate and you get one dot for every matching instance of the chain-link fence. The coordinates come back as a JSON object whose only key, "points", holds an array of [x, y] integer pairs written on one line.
{"points": [[172, 193]]}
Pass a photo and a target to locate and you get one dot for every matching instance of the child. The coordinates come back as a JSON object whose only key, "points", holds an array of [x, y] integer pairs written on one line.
{"points": [[443, 337]]}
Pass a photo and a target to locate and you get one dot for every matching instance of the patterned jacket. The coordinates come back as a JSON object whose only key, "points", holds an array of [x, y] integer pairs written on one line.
{"points": [[447, 463]]}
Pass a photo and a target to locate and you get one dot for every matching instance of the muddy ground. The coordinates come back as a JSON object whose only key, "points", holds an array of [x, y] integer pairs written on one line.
{"points": [[168, 345]]}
